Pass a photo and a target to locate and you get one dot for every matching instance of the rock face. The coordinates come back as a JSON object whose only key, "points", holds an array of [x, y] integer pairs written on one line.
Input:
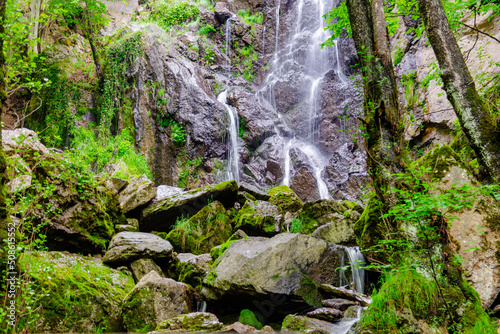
{"points": [[262, 266], [138, 192], [470, 225], [84, 294], [161, 215], [126, 247], [153, 300]]}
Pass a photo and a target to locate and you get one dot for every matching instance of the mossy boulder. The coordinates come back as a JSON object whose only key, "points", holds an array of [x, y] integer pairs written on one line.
{"points": [[76, 210], [247, 317], [142, 267], [259, 218], [137, 193], [285, 199], [76, 293], [153, 300], [257, 266], [217, 251], [126, 247], [301, 324], [192, 268], [162, 214], [190, 323], [210, 227]]}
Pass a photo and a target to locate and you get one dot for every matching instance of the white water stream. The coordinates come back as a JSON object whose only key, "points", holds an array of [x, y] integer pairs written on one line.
{"points": [[233, 157]]}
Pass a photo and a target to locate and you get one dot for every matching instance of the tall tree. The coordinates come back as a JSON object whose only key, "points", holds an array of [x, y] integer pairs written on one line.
{"points": [[382, 119], [478, 125]]}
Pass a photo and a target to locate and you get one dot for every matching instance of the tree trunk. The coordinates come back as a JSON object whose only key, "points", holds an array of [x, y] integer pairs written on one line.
{"points": [[97, 62], [35, 9], [383, 127], [3, 97], [477, 123]]}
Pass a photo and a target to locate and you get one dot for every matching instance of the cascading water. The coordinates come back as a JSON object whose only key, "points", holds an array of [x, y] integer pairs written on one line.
{"points": [[357, 262], [233, 157], [227, 36], [302, 58]]}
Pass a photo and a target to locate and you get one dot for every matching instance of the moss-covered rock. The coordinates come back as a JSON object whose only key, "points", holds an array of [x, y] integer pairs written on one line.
{"points": [[153, 300], [411, 303], [247, 317], [77, 211], [190, 323], [217, 251], [301, 324], [285, 199], [192, 268], [76, 293], [210, 227], [259, 218], [162, 214]]}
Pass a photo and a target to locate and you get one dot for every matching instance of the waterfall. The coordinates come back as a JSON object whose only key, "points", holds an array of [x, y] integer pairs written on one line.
{"points": [[301, 64], [357, 262], [338, 69], [344, 325], [227, 36], [201, 306], [233, 158]]}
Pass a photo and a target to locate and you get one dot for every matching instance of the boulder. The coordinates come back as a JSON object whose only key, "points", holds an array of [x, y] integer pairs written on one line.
{"points": [[153, 300], [119, 184], [164, 191], [285, 264], [24, 141], [338, 231], [259, 218], [19, 183], [210, 227], [139, 192], [191, 322], [301, 324], [192, 268], [353, 311], [239, 328], [126, 247], [161, 215], [285, 199], [81, 295], [142, 267], [254, 191], [338, 303], [326, 313], [340, 292]]}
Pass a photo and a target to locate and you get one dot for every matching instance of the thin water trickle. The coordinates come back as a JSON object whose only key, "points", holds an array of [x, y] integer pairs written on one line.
{"points": [[233, 157], [227, 36]]}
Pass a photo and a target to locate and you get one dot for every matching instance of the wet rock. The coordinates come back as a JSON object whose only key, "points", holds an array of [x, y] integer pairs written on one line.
{"points": [[346, 174], [259, 218], [262, 266], [153, 300], [142, 267], [301, 324], [222, 13], [353, 311], [254, 191], [338, 303], [325, 313], [191, 322], [161, 215], [210, 227], [139, 192], [303, 183], [126, 247], [345, 294]]}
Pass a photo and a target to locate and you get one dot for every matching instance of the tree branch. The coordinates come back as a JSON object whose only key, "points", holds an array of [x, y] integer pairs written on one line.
{"points": [[479, 31]]}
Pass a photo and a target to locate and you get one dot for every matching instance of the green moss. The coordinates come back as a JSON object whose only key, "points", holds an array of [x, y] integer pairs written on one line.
{"points": [[368, 228], [285, 199], [217, 251], [294, 323], [73, 290], [137, 321], [312, 211], [211, 226], [190, 323], [247, 317], [440, 159], [309, 291], [254, 223]]}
